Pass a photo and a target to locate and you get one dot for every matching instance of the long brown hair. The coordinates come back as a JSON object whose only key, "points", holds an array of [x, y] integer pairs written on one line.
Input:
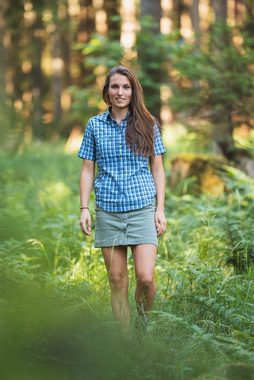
{"points": [[140, 127]]}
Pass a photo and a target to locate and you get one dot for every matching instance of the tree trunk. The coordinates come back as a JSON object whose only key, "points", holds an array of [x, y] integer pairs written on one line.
{"points": [[250, 17], [57, 76], [86, 21], [4, 5], [151, 8], [86, 26], [60, 62], [195, 19], [14, 17], [5, 116], [112, 9], [152, 70], [238, 14], [37, 77], [15, 85], [220, 10], [176, 14]]}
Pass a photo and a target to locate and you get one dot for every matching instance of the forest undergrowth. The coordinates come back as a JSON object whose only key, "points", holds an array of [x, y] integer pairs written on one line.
{"points": [[55, 316]]}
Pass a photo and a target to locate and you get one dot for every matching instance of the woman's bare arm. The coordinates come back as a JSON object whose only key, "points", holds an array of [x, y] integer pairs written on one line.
{"points": [[86, 186], [157, 170]]}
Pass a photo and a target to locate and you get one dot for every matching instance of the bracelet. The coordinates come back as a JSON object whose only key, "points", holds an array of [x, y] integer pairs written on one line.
{"points": [[82, 208]]}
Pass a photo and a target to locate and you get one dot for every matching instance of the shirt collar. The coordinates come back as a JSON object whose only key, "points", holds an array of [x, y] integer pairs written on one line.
{"points": [[110, 118]]}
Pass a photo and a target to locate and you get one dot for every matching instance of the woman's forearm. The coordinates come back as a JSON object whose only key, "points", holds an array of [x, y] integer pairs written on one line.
{"points": [[159, 180], [86, 182]]}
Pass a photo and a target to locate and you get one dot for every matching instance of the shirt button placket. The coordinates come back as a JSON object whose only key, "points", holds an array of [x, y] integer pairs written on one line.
{"points": [[124, 157], [121, 130]]}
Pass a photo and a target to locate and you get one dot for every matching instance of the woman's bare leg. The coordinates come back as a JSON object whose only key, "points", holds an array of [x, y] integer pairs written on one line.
{"points": [[144, 261], [116, 263]]}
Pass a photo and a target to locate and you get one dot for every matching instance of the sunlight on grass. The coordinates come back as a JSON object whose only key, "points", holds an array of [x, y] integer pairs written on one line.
{"points": [[53, 193], [172, 133]]}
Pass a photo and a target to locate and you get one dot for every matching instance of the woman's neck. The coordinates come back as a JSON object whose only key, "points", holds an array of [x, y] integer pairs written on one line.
{"points": [[119, 114]]}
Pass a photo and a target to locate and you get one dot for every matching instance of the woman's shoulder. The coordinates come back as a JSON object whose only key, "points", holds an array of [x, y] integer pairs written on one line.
{"points": [[98, 119]]}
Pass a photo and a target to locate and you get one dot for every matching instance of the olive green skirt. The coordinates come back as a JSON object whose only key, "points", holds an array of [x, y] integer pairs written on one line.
{"points": [[125, 228]]}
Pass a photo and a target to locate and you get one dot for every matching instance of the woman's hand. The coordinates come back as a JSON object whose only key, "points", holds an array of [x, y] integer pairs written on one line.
{"points": [[85, 222], [160, 222]]}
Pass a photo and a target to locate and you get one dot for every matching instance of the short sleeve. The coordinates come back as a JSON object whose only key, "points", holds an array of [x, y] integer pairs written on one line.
{"points": [[87, 148], [158, 144]]}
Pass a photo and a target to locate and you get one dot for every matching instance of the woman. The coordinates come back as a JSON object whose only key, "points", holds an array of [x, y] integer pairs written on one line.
{"points": [[126, 145]]}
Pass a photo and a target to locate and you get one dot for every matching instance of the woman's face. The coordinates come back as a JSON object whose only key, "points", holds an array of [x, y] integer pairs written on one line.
{"points": [[119, 92]]}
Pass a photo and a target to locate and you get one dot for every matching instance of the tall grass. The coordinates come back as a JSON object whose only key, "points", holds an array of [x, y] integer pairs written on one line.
{"points": [[55, 318]]}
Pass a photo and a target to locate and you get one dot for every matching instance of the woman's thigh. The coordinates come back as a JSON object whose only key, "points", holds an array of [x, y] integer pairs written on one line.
{"points": [[144, 256], [115, 260]]}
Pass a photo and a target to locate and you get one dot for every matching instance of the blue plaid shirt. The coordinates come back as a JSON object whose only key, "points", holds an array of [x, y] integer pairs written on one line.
{"points": [[124, 181]]}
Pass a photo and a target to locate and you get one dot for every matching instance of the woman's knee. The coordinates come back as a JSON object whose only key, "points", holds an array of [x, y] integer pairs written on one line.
{"points": [[145, 279], [118, 281]]}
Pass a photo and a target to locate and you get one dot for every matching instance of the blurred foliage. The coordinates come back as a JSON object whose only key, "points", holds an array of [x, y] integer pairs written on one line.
{"points": [[55, 304], [215, 82], [42, 58], [55, 319], [101, 54], [152, 63], [11, 127]]}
